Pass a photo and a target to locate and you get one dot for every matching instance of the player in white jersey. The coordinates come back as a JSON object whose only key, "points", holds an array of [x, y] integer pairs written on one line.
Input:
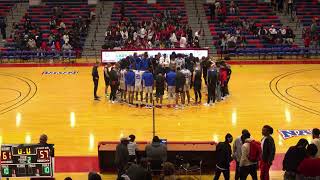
{"points": [[186, 88], [164, 61], [123, 88], [180, 61], [138, 84]]}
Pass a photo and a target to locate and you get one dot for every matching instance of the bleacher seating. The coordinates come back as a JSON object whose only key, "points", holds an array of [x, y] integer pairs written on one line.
{"points": [[5, 6], [41, 15], [252, 10], [307, 10], [140, 10]]}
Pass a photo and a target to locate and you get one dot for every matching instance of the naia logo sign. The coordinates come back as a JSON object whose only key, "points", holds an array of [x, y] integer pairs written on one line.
{"points": [[286, 134], [60, 72]]}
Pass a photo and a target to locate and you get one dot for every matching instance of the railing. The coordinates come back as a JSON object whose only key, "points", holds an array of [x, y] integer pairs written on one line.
{"points": [[198, 15]]}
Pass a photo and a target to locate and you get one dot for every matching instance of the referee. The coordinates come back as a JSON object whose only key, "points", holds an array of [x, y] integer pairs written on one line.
{"points": [[95, 78]]}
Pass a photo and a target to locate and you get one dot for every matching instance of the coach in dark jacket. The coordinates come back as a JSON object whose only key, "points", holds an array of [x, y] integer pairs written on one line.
{"points": [[114, 81], [122, 156], [95, 78], [223, 157], [293, 158], [268, 152]]}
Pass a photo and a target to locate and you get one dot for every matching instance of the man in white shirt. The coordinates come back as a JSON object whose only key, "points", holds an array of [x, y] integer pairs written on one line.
{"points": [[180, 61], [164, 61], [138, 84], [173, 38], [123, 88], [132, 149], [316, 140], [183, 42], [186, 89]]}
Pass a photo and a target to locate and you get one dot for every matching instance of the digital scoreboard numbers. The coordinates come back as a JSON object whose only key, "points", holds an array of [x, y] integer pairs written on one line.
{"points": [[27, 160]]}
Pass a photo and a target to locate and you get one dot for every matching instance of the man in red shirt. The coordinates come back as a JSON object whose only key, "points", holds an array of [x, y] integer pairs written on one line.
{"points": [[310, 166]]}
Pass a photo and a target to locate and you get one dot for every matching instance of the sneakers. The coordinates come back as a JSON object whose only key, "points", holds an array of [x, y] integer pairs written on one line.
{"points": [[206, 104]]}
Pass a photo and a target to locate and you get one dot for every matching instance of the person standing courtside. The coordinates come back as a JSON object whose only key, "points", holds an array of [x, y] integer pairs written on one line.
{"points": [[237, 153], [95, 78], [212, 83], [106, 79], [114, 80], [224, 158], [197, 81], [268, 152], [316, 140]]}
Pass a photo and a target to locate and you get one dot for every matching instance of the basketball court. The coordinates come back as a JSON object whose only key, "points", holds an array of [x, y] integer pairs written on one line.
{"points": [[58, 101]]}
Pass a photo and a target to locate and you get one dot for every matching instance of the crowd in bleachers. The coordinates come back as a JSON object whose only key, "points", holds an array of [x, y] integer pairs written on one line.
{"points": [[166, 29], [162, 31], [238, 28], [61, 40]]}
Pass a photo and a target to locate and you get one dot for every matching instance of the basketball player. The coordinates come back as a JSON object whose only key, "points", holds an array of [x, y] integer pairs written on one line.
{"points": [[180, 83], [180, 61], [95, 78], [138, 85], [106, 79], [160, 84], [130, 85], [123, 88], [147, 79], [171, 82], [197, 81], [186, 89]]}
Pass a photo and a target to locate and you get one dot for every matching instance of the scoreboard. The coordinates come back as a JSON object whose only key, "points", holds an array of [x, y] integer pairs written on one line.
{"points": [[27, 160]]}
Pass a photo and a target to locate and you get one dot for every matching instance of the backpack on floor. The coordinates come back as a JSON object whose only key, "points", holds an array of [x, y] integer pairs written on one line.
{"points": [[255, 152]]}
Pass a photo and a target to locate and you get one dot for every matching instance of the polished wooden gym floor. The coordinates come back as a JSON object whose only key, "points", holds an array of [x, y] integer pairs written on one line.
{"points": [[34, 101]]}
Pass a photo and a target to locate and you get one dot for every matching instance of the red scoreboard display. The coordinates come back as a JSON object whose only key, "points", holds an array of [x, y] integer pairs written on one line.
{"points": [[27, 160]]}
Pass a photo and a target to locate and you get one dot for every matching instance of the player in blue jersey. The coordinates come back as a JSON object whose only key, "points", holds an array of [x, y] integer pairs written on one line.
{"points": [[171, 82], [130, 85], [147, 79], [138, 84]]}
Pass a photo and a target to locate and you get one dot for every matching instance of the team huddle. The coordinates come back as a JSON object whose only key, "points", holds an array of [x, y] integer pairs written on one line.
{"points": [[135, 78]]}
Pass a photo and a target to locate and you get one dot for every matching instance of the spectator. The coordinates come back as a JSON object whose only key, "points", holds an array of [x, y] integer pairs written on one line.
{"points": [[132, 149], [43, 139], [246, 166], [314, 28], [122, 156], [237, 153], [183, 42], [32, 44], [3, 27], [139, 171], [223, 154], [168, 171], [268, 152], [94, 176], [309, 167], [233, 9], [212, 8], [156, 150], [67, 49], [293, 158], [316, 140]]}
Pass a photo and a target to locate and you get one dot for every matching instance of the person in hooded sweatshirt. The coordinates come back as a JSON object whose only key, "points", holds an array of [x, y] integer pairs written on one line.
{"points": [[293, 157], [156, 151], [246, 166], [224, 158]]}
